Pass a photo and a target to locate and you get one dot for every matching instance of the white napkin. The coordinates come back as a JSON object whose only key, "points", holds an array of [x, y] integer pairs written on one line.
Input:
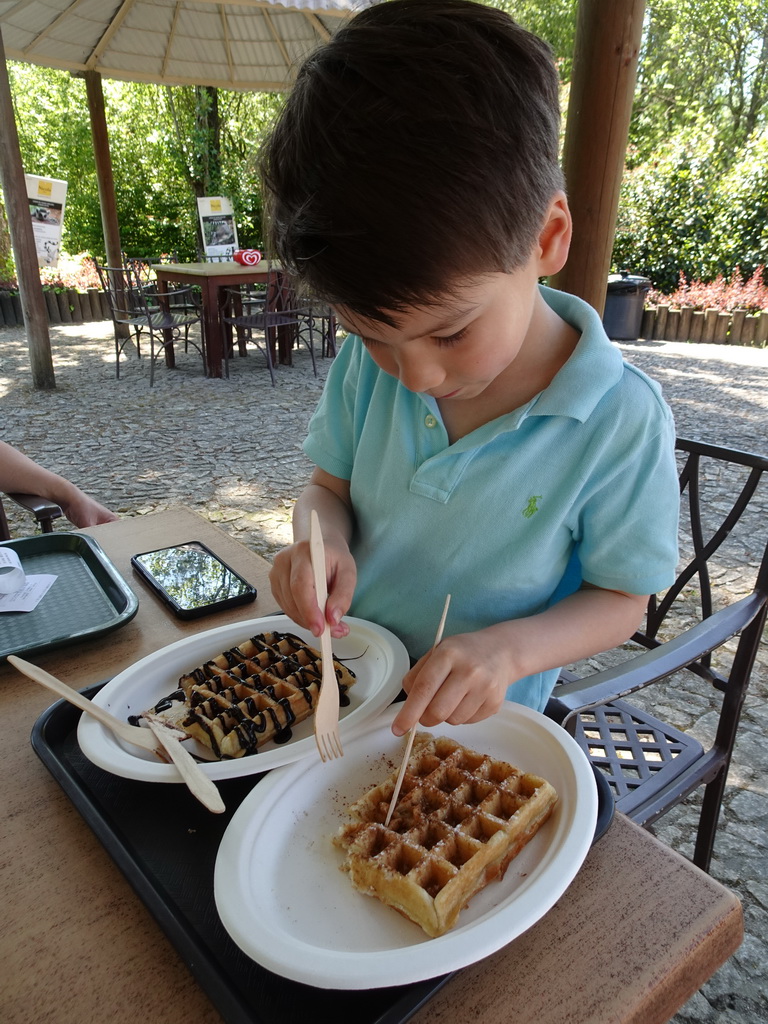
{"points": [[19, 592]]}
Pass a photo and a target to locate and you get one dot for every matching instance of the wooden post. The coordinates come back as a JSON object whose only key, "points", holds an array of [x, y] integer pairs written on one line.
{"points": [[662, 314], [607, 43], [648, 323], [686, 315], [104, 175], [738, 318], [673, 326], [710, 326], [106, 180], [697, 325], [23, 240]]}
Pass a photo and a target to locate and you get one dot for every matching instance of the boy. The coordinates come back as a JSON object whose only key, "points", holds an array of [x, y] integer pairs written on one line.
{"points": [[478, 434]]}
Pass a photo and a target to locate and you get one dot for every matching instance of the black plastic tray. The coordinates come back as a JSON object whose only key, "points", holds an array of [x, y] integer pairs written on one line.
{"points": [[89, 598], [166, 844]]}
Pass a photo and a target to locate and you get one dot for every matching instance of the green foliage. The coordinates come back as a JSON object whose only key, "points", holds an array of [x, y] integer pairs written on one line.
{"points": [[701, 63], [164, 154], [694, 197], [553, 20], [681, 214]]}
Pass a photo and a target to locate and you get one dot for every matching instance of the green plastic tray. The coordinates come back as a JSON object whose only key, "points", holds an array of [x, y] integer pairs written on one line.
{"points": [[88, 599]]}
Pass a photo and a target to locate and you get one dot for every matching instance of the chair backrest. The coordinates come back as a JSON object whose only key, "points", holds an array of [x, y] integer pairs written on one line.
{"points": [[122, 286], [142, 268], [723, 544], [285, 296], [709, 622]]}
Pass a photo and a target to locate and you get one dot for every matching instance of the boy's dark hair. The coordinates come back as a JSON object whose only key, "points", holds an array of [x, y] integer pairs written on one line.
{"points": [[417, 147]]}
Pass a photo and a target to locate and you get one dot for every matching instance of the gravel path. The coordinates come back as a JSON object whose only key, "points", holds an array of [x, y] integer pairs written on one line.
{"points": [[231, 450]]}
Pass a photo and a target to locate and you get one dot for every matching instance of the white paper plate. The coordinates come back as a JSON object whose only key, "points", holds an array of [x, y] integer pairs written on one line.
{"points": [[380, 662], [284, 901]]}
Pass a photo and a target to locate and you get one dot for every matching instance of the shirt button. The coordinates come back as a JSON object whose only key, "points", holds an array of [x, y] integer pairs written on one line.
{"points": [[430, 421]]}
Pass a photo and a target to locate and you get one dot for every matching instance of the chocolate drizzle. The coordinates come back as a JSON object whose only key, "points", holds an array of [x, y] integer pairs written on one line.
{"points": [[253, 693]]}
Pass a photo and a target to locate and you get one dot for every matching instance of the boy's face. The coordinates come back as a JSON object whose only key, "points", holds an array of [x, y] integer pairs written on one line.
{"points": [[459, 347]]}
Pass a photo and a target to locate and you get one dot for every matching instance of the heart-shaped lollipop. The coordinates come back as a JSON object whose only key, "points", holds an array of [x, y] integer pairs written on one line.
{"points": [[248, 257]]}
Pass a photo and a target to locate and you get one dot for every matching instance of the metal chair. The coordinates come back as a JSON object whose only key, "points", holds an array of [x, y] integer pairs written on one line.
{"points": [[321, 313], [138, 306], [43, 510], [142, 269], [652, 766], [259, 314]]}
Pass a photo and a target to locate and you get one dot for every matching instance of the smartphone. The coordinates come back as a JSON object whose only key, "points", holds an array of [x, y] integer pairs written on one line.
{"points": [[192, 580]]}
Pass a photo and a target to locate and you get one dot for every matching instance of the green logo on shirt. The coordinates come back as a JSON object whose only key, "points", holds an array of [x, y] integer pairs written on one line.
{"points": [[532, 507]]}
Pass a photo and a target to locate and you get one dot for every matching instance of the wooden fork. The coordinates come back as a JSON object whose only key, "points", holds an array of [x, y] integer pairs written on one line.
{"points": [[327, 711], [159, 738], [412, 733]]}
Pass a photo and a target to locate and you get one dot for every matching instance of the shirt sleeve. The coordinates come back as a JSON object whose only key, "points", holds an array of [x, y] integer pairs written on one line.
{"points": [[628, 528], [331, 437]]}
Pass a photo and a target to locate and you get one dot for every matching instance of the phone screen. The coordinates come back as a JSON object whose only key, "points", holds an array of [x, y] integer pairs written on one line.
{"points": [[193, 577]]}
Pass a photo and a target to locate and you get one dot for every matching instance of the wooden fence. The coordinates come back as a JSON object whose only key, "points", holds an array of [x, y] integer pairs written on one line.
{"points": [[66, 306], [663, 323], [659, 323]]}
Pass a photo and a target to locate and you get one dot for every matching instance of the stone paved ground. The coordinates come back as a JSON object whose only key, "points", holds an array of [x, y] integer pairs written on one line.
{"points": [[231, 450]]}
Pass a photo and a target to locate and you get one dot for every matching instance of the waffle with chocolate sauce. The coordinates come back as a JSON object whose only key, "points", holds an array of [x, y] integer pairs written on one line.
{"points": [[250, 694], [460, 819]]}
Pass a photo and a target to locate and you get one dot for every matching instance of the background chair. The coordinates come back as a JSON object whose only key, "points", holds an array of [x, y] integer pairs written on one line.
{"points": [[652, 766], [324, 318], [260, 315], [137, 305], [43, 510], [188, 300]]}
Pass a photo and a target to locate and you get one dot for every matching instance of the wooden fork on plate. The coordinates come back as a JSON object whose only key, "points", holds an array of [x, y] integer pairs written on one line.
{"points": [[327, 711], [159, 738], [412, 733]]}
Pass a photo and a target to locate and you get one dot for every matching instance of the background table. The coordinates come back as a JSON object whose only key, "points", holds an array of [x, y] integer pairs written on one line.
{"points": [[211, 278], [637, 932]]}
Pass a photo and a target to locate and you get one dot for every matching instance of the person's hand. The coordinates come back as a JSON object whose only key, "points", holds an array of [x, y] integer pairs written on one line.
{"points": [[84, 511], [293, 586], [464, 679]]}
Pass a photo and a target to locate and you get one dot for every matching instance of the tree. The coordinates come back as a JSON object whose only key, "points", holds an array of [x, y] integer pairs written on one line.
{"points": [[168, 146], [553, 20], [702, 65], [694, 193]]}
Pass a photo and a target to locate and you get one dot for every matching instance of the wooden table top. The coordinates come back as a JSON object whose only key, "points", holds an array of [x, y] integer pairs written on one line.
{"points": [[637, 932], [222, 268]]}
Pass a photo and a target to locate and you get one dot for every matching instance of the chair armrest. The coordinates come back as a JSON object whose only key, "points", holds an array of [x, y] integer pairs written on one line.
{"points": [[651, 666], [42, 509]]}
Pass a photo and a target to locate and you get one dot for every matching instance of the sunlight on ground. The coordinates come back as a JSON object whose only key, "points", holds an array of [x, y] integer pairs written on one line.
{"points": [[744, 355], [97, 331]]}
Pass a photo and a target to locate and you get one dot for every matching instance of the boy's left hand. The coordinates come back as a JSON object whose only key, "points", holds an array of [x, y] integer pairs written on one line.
{"points": [[464, 679]]}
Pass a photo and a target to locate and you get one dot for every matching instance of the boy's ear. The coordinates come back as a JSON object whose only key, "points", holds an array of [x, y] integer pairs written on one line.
{"points": [[555, 236]]}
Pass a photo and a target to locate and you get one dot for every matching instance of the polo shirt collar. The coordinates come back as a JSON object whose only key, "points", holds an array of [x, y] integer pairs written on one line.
{"points": [[595, 366]]}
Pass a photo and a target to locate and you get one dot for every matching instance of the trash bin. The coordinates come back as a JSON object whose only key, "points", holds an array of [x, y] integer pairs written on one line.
{"points": [[624, 304]]}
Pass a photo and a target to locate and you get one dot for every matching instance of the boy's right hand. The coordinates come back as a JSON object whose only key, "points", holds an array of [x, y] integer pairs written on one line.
{"points": [[293, 586]]}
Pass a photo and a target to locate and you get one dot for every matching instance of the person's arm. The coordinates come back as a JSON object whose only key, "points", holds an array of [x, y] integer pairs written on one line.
{"points": [[291, 577], [466, 677], [21, 475]]}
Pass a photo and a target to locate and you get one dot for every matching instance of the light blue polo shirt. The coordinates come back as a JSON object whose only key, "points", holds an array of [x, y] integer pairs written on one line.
{"points": [[579, 483]]}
